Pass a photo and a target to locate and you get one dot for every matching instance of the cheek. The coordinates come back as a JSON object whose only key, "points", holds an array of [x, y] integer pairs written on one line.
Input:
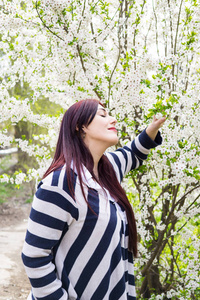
{"points": [[101, 126]]}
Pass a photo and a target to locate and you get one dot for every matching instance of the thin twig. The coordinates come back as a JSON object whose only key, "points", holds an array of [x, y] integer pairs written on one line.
{"points": [[156, 25], [177, 26]]}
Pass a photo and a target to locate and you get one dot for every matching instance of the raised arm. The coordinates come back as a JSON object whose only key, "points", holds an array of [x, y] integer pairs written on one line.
{"points": [[132, 155]]}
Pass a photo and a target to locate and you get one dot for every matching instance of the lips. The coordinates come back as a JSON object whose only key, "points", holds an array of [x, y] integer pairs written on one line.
{"points": [[113, 128]]}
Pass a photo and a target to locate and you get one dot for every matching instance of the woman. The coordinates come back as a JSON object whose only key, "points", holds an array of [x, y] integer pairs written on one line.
{"points": [[81, 234]]}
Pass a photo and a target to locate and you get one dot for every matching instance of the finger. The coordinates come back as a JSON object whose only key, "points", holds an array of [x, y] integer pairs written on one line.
{"points": [[162, 121]]}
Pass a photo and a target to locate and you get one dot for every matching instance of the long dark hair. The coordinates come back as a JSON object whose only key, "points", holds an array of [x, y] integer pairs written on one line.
{"points": [[71, 146]]}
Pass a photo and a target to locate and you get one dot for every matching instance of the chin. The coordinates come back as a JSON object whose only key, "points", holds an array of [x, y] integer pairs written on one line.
{"points": [[114, 142]]}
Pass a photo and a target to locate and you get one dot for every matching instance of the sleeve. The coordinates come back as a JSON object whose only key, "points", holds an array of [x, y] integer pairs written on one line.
{"points": [[51, 214], [131, 156]]}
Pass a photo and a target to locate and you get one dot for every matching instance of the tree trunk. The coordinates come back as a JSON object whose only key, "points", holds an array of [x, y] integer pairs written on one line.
{"points": [[151, 283]]}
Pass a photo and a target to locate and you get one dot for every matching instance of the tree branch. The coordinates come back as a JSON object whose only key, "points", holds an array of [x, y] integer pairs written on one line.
{"points": [[85, 71], [36, 6], [184, 196]]}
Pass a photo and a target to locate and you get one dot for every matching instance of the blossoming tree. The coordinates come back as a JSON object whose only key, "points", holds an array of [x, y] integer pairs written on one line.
{"points": [[140, 58]]}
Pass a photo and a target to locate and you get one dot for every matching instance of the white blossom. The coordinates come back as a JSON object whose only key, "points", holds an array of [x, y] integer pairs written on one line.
{"points": [[140, 66]]}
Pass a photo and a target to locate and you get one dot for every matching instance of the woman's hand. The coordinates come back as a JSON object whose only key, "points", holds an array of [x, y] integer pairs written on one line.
{"points": [[153, 128]]}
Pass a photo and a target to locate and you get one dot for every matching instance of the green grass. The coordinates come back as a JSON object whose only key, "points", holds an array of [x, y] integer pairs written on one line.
{"points": [[8, 191], [30, 199]]}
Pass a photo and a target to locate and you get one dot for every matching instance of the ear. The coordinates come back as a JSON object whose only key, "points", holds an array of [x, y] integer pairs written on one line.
{"points": [[83, 128]]}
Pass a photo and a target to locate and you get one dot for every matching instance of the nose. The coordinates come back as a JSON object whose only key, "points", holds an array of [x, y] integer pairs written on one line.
{"points": [[113, 121]]}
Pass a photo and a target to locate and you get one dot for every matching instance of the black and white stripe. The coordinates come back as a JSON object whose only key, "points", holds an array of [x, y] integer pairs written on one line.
{"points": [[71, 252]]}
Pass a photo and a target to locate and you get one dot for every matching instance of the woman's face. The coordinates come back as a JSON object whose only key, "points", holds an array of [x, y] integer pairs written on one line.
{"points": [[101, 131]]}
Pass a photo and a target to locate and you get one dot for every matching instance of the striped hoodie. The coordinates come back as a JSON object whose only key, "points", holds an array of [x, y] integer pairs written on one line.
{"points": [[73, 253]]}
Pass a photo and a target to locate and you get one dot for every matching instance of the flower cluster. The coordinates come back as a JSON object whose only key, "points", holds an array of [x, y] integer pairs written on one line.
{"points": [[140, 59]]}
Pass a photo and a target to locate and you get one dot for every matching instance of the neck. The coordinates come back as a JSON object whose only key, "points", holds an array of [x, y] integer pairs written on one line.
{"points": [[96, 159], [97, 151], [96, 173]]}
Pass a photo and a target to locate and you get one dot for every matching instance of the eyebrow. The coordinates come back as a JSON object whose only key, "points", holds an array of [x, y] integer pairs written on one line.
{"points": [[101, 108]]}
